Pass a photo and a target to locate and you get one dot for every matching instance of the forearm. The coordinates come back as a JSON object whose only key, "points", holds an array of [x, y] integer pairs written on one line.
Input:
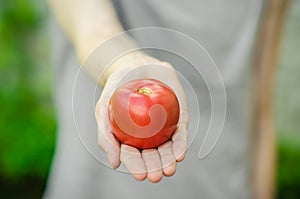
{"points": [[89, 23], [86, 22]]}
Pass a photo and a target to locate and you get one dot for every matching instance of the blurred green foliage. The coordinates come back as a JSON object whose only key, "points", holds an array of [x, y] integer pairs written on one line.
{"points": [[288, 175], [27, 122], [27, 118]]}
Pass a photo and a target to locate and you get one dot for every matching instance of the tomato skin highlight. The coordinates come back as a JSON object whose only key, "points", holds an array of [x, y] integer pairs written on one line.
{"points": [[143, 113]]}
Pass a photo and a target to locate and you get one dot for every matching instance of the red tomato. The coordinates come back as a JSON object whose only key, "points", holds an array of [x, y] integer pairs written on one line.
{"points": [[143, 113]]}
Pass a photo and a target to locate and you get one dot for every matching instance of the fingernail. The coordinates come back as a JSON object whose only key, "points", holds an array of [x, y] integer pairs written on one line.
{"points": [[111, 162], [179, 154]]}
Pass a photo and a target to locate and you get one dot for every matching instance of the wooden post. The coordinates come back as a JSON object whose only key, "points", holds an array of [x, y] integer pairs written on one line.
{"points": [[264, 138]]}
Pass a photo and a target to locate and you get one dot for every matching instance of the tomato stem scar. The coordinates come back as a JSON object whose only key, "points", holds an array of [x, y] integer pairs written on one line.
{"points": [[144, 90]]}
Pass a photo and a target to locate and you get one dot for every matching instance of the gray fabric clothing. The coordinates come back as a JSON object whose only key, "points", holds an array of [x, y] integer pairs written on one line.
{"points": [[227, 29]]}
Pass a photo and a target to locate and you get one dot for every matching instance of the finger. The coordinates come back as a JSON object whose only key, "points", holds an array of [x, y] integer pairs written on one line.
{"points": [[180, 136], [153, 165], [167, 159], [132, 159], [111, 146], [180, 142], [106, 140]]}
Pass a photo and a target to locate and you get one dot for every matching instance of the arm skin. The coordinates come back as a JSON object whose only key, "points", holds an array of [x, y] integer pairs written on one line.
{"points": [[88, 23]]}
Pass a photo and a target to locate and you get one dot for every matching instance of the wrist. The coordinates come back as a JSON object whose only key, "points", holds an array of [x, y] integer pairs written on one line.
{"points": [[127, 62], [89, 39], [97, 67]]}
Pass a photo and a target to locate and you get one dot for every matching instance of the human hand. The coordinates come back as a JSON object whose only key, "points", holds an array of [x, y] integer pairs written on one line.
{"points": [[148, 163]]}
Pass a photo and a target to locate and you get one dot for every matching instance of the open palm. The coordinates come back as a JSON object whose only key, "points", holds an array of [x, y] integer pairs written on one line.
{"points": [[148, 163]]}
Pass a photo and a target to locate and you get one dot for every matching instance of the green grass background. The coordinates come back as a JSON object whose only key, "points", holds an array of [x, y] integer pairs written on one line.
{"points": [[28, 121]]}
